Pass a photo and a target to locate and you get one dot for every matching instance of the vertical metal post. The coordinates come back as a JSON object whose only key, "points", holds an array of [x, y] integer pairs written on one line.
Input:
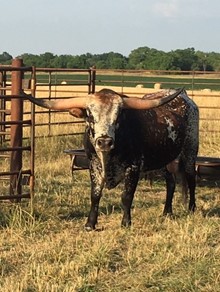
{"points": [[49, 112], [16, 129], [89, 80], [2, 105], [93, 79], [33, 92], [193, 80]]}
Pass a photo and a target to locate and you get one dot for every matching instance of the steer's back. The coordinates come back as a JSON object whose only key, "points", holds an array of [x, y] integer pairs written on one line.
{"points": [[162, 132]]}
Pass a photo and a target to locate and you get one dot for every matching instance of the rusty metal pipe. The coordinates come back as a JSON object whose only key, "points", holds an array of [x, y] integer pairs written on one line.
{"points": [[16, 129]]}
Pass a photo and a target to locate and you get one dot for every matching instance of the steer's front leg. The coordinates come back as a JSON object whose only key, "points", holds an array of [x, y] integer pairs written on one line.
{"points": [[96, 193], [131, 180]]}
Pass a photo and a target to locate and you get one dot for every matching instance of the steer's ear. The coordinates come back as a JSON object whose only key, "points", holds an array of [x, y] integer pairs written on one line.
{"points": [[78, 113]]}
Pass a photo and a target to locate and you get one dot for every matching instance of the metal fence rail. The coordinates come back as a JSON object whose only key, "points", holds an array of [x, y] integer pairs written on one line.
{"points": [[16, 114], [16, 177]]}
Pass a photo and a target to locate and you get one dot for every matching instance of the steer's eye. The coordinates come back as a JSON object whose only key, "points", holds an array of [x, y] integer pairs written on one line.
{"points": [[91, 129], [92, 132], [90, 119]]}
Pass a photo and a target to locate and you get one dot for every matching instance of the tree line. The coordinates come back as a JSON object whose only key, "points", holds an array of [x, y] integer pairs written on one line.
{"points": [[143, 58]]}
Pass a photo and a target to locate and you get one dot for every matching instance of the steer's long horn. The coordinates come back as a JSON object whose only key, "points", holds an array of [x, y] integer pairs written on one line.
{"points": [[138, 103], [60, 104]]}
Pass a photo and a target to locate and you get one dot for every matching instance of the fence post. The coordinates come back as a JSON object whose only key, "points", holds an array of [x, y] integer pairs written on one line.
{"points": [[93, 79], [2, 109], [16, 129]]}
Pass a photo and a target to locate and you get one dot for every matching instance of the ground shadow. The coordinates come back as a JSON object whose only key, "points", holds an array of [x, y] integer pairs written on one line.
{"points": [[83, 211], [210, 183]]}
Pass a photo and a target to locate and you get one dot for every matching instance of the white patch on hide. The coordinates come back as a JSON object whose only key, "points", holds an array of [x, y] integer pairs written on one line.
{"points": [[103, 156], [97, 176], [170, 128]]}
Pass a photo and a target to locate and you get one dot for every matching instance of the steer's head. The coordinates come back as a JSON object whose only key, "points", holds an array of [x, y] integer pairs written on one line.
{"points": [[102, 117], [101, 111]]}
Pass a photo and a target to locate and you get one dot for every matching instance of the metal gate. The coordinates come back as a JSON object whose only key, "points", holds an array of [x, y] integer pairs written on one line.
{"points": [[17, 124], [16, 154]]}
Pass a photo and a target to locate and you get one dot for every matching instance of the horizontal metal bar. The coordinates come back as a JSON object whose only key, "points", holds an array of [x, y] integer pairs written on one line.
{"points": [[11, 197], [6, 111], [208, 94], [25, 122], [209, 119], [59, 135], [209, 131], [58, 123], [8, 88], [79, 152], [5, 133], [209, 107], [28, 171], [4, 155], [12, 96], [51, 70], [45, 84], [4, 149], [10, 68]]}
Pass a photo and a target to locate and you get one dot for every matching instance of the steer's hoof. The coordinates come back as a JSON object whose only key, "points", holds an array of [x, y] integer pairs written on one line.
{"points": [[89, 227], [168, 215], [192, 207], [125, 224]]}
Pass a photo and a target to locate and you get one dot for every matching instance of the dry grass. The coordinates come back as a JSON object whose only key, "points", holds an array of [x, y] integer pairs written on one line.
{"points": [[48, 250], [44, 248]]}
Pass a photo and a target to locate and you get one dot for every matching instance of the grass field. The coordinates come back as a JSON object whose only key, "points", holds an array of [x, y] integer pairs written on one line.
{"points": [[132, 79], [46, 249], [43, 246]]}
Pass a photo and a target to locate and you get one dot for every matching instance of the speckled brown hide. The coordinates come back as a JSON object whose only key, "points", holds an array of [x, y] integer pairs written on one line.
{"points": [[125, 136]]}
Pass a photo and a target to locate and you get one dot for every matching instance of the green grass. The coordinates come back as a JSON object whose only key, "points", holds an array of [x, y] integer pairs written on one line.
{"points": [[167, 82], [43, 245], [130, 80]]}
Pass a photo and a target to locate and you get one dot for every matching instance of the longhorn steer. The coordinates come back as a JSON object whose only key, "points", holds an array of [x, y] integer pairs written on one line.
{"points": [[124, 136]]}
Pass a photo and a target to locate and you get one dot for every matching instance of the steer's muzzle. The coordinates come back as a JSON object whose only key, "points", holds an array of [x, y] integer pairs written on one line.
{"points": [[104, 143]]}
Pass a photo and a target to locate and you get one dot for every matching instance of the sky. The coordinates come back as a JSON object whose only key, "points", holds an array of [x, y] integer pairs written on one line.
{"points": [[78, 27]]}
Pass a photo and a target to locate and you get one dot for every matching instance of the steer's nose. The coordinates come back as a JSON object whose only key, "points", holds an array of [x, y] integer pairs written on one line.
{"points": [[104, 143]]}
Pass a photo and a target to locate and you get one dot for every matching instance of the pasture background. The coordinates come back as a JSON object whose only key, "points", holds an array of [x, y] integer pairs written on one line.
{"points": [[43, 246], [190, 80]]}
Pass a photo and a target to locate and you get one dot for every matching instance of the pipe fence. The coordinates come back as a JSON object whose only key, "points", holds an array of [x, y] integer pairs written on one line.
{"points": [[21, 122], [16, 176]]}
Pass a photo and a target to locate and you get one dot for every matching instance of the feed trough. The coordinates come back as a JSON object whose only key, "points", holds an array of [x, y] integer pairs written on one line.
{"points": [[208, 167], [79, 160]]}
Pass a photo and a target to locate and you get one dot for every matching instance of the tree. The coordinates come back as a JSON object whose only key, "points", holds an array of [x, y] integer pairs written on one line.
{"points": [[31, 60], [149, 59], [138, 58], [47, 59], [213, 61], [5, 58], [61, 61], [141, 58], [115, 61], [184, 60]]}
